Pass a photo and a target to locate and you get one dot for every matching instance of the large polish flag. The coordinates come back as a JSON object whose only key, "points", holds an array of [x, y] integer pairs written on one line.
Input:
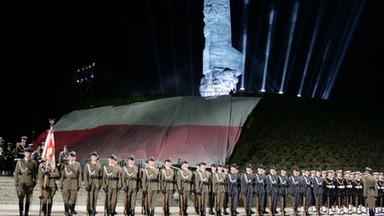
{"points": [[188, 128]]}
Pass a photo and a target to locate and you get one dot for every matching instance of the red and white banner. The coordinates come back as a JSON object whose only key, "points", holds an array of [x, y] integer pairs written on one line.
{"points": [[49, 149]]}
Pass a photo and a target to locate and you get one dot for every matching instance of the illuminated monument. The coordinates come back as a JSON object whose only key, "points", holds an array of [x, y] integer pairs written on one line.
{"points": [[222, 63]]}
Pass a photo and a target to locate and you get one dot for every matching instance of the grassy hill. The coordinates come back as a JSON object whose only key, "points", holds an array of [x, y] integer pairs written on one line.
{"points": [[311, 133]]}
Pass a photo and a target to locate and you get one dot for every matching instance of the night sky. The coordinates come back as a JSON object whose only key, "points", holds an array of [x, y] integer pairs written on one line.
{"points": [[155, 47]]}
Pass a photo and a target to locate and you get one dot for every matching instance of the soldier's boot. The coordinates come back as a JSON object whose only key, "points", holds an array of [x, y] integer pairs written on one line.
{"points": [[26, 208], [49, 209], [44, 209], [133, 212], [225, 211], [21, 208], [371, 212], [69, 210]]}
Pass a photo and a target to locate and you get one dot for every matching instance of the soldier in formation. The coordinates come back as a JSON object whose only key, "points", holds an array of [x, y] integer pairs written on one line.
{"points": [[92, 175], [47, 175], [130, 179]]}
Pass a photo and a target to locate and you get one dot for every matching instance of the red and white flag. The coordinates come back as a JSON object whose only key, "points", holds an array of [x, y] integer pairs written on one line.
{"points": [[49, 150]]}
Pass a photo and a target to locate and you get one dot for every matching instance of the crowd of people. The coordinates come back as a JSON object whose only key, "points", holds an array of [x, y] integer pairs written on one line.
{"points": [[214, 190]]}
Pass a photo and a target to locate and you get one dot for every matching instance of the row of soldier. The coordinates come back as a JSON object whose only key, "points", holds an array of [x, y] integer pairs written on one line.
{"points": [[214, 191]]}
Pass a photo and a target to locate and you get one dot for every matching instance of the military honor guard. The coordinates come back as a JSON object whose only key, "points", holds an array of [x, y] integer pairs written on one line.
{"points": [[63, 158], [380, 198], [211, 195], [259, 190], [202, 187], [111, 185], [151, 186], [283, 189], [340, 192], [196, 201], [272, 190], [318, 191], [130, 179], [92, 175], [234, 188], [247, 188], [25, 180], [184, 181], [47, 176], [307, 192], [219, 181], [358, 192], [348, 198], [167, 186], [370, 191], [295, 190], [330, 191], [226, 198], [70, 183]]}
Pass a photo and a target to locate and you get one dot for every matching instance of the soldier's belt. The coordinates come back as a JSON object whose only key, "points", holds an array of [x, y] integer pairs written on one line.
{"points": [[221, 183], [205, 183], [169, 181], [23, 174], [249, 183], [349, 186], [331, 186], [341, 187], [187, 181], [70, 177], [381, 188], [358, 187], [94, 177], [153, 180], [132, 178], [112, 178]]}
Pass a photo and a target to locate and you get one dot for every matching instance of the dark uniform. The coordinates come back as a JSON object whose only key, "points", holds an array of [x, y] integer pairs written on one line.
{"points": [[283, 189], [167, 186], [8, 166], [184, 181], [47, 178], [151, 187], [130, 179], [318, 190], [272, 189], [234, 188], [330, 190], [260, 190], [248, 188], [340, 192], [348, 191], [358, 192], [70, 183], [25, 180], [92, 175], [380, 198], [307, 192], [295, 190], [111, 185]]}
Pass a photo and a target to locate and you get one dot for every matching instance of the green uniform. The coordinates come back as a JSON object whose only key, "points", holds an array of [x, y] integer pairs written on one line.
{"points": [[150, 184], [219, 180], [111, 185], [70, 183], [130, 179], [92, 175], [47, 181], [370, 192], [203, 188], [167, 185], [184, 186], [25, 181]]}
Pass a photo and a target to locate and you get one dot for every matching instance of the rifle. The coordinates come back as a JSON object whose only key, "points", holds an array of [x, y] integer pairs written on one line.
{"points": [[88, 204], [316, 204], [214, 204], [230, 205], [270, 205], [246, 205], [199, 203], [163, 204], [181, 198], [43, 194], [304, 206], [257, 205], [106, 204], [328, 210], [294, 206], [348, 205], [125, 203]]}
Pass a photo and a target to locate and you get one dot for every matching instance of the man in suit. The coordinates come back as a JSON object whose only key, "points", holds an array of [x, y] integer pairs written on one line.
{"points": [[70, 183], [92, 174], [370, 190], [25, 180]]}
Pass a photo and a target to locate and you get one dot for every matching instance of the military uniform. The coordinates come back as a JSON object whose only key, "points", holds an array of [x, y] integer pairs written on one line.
{"points": [[219, 182], [380, 198], [307, 192], [295, 190], [272, 189], [167, 186], [111, 184], [151, 187], [260, 189], [184, 181], [20, 147], [318, 191], [340, 192], [47, 180], [247, 188], [63, 158], [348, 191], [130, 183], [370, 191], [358, 193], [234, 188], [70, 183], [92, 175], [202, 187], [283, 189], [25, 181], [330, 190]]}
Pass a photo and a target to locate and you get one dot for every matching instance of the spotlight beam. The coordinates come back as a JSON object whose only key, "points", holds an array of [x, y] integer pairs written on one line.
{"points": [[267, 50]]}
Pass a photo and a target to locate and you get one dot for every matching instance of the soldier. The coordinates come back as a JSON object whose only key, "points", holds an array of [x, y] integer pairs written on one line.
{"points": [[330, 191], [25, 180], [380, 184], [226, 197], [272, 189], [111, 185], [70, 183], [8, 160], [307, 192], [47, 179], [324, 202], [348, 191], [36, 155], [20, 147], [234, 187], [196, 200], [260, 190], [340, 192], [370, 190], [211, 195], [283, 189], [295, 189], [219, 181], [63, 158], [202, 186], [247, 188], [151, 187], [167, 185], [92, 175], [2, 149], [184, 183], [144, 193], [318, 190], [130, 179]]}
